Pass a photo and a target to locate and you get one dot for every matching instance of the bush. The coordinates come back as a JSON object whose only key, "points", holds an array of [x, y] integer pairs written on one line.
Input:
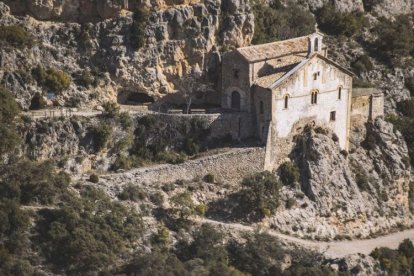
{"points": [[170, 157], [191, 147], [359, 83], [9, 110], [336, 23], [52, 79], [139, 24], [32, 183], [126, 162], [395, 37], [409, 84], [361, 177], [396, 262], [94, 178], [101, 135], [162, 237], [406, 107], [88, 234], [289, 173], [157, 198], [259, 196], [86, 79], [111, 110], [362, 64], [279, 23], [411, 197], [133, 193], [183, 206], [15, 36], [125, 120], [405, 124], [291, 202], [209, 178]]}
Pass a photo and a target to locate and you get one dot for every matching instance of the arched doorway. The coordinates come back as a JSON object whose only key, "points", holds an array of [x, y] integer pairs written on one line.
{"points": [[235, 100]]}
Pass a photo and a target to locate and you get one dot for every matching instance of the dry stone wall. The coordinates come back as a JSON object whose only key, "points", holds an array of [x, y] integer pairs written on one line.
{"points": [[231, 166]]}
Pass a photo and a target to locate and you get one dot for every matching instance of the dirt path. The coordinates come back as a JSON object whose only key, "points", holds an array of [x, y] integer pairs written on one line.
{"points": [[334, 249]]}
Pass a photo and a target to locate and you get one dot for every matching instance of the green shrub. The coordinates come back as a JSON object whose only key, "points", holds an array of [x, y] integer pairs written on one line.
{"points": [[94, 178], [289, 173], [162, 237], [359, 83], [370, 4], [126, 162], [405, 124], [139, 24], [86, 235], [15, 36], [260, 195], [209, 178], [191, 147], [362, 64], [125, 120], [30, 183], [406, 107], [86, 79], [291, 202], [361, 178], [170, 157], [395, 37], [337, 23], [411, 196], [101, 135], [111, 109], [396, 262], [9, 110], [409, 84], [52, 79], [183, 206], [201, 209], [157, 198], [14, 224], [279, 23], [133, 193]]}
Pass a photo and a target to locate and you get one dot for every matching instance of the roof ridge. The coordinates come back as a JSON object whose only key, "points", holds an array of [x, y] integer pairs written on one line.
{"points": [[273, 42]]}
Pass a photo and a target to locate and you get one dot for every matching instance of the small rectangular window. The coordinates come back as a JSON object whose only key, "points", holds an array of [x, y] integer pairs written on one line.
{"points": [[333, 116]]}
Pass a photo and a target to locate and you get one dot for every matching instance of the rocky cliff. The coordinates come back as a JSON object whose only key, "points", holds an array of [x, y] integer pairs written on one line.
{"points": [[177, 38], [357, 195]]}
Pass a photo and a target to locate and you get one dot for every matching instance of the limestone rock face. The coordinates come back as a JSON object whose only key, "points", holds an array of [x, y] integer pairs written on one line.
{"points": [[358, 195], [177, 38], [4, 9]]}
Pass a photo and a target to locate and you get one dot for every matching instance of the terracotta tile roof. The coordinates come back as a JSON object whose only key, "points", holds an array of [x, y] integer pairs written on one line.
{"points": [[275, 49], [266, 81]]}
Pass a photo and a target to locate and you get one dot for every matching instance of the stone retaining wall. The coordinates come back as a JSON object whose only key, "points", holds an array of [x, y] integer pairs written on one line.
{"points": [[231, 166]]}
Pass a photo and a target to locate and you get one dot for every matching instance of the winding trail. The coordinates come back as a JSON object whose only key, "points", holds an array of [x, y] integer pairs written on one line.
{"points": [[334, 249]]}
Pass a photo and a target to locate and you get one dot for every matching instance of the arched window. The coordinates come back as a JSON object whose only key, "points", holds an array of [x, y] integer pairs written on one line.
{"points": [[314, 97], [339, 93], [286, 102], [261, 107], [235, 100], [316, 45]]}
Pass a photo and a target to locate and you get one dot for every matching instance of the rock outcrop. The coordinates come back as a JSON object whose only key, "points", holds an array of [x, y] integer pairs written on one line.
{"points": [[357, 195], [177, 38]]}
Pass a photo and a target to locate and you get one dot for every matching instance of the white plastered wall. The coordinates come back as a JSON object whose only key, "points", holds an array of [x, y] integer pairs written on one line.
{"points": [[299, 89]]}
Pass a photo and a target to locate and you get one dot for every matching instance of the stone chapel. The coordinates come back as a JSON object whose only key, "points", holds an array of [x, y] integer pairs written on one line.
{"points": [[285, 85]]}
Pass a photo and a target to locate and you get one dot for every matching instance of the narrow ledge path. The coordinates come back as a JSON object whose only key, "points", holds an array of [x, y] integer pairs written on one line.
{"points": [[334, 249]]}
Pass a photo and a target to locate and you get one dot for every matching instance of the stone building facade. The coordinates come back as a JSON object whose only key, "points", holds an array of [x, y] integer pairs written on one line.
{"points": [[285, 85], [367, 103]]}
